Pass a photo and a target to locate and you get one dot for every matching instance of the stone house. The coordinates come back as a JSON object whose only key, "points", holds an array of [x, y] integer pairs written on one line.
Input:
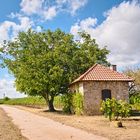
{"points": [[97, 84]]}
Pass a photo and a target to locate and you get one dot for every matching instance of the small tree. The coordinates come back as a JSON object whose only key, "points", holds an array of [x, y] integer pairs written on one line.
{"points": [[113, 109]]}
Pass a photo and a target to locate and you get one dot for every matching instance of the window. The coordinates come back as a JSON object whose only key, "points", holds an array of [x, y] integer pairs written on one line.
{"points": [[106, 93]]}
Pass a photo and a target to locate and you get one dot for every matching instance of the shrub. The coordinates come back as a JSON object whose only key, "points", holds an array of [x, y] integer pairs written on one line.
{"points": [[113, 109], [125, 109], [6, 99], [67, 103], [78, 104], [73, 103], [135, 98], [135, 101]]}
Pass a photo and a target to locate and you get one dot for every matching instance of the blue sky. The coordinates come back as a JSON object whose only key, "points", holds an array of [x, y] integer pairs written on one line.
{"points": [[113, 23]]}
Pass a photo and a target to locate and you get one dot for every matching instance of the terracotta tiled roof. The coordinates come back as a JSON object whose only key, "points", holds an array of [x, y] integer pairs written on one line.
{"points": [[101, 73]]}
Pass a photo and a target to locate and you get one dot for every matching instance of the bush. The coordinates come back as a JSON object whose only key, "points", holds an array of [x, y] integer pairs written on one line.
{"points": [[6, 99], [113, 109], [135, 101], [67, 103], [73, 103], [78, 104]]}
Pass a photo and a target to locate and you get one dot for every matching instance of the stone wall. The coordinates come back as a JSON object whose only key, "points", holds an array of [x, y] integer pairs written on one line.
{"points": [[77, 88], [93, 94]]}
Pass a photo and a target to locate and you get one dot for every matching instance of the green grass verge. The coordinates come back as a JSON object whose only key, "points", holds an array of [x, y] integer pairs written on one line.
{"points": [[32, 101]]}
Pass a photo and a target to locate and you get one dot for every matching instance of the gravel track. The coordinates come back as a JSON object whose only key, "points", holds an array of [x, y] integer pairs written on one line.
{"points": [[36, 127]]}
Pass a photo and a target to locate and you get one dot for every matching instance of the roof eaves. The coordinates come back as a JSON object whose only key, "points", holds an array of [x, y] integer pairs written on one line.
{"points": [[84, 74]]}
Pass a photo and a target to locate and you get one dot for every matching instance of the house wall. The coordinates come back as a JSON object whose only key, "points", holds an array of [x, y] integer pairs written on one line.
{"points": [[93, 94], [77, 88]]}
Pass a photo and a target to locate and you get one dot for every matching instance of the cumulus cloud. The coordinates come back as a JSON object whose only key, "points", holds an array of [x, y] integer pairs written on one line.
{"points": [[119, 31], [5, 29], [86, 25], [76, 4], [9, 29], [3, 83], [71, 5], [50, 13], [7, 89], [48, 9], [30, 7]]}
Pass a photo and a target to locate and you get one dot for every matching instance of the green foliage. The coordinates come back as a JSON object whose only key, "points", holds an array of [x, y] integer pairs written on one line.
{"points": [[1, 101], [67, 103], [45, 63], [135, 101], [6, 98], [135, 98], [73, 103], [78, 103], [113, 109], [125, 109]]}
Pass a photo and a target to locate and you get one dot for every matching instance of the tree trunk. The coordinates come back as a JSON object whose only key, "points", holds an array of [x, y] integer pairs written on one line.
{"points": [[49, 102]]}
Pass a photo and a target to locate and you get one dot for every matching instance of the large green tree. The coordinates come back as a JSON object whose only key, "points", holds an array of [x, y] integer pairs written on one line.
{"points": [[45, 63]]}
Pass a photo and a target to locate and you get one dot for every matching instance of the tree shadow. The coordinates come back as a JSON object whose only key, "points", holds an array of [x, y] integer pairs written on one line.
{"points": [[60, 112]]}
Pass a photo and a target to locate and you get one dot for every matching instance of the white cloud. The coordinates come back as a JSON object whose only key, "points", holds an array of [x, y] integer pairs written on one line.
{"points": [[48, 9], [5, 29], [9, 29], [50, 13], [7, 89], [3, 83], [25, 24], [71, 5], [86, 25], [39, 8], [30, 7], [76, 4], [119, 31]]}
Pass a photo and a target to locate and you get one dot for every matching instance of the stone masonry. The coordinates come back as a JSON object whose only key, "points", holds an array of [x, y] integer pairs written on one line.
{"points": [[92, 92]]}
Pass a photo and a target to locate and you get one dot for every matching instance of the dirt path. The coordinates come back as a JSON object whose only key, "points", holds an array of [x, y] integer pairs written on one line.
{"points": [[97, 125], [37, 127], [8, 131]]}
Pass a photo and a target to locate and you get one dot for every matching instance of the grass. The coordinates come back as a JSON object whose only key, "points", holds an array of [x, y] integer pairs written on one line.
{"points": [[32, 101]]}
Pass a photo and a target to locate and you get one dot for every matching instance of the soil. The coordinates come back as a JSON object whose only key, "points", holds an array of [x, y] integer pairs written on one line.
{"points": [[98, 125], [8, 131]]}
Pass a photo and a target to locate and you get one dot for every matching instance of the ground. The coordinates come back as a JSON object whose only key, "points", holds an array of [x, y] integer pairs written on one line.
{"points": [[36, 127], [8, 131], [97, 125]]}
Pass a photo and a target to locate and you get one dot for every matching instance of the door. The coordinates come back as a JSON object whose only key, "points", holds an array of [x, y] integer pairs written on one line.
{"points": [[106, 93]]}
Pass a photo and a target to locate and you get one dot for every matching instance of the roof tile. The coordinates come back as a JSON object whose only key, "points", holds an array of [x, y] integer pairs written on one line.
{"points": [[101, 73]]}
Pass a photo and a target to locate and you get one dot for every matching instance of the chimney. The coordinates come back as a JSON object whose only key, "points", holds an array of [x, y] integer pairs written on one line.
{"points": [[113, 67]]}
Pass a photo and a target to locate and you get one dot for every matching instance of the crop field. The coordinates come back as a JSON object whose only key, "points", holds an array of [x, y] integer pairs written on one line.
{"points": [[31, 101]]}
